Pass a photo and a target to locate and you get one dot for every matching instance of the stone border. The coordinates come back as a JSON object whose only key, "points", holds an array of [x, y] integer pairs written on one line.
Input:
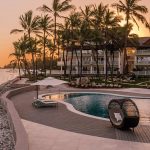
{"points": [[19, 132]]}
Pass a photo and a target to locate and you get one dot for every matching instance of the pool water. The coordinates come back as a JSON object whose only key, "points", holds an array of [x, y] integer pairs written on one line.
{"points": [[96, 103], [89, 103], [93, 104]]}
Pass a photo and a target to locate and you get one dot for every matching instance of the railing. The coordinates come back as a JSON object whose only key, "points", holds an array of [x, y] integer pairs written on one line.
{"points": [[143, 63], [142, 73], [75, 63], [143, 52], [90, 73]]}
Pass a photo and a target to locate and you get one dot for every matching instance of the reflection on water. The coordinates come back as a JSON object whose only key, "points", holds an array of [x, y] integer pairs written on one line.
{"points": [[93, 104], [96, 104]]}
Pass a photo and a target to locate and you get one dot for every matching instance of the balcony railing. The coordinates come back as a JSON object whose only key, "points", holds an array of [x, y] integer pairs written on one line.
{"points": [[143, 52], [75, 63], [142, 73], [143, 63], [89, 72]]}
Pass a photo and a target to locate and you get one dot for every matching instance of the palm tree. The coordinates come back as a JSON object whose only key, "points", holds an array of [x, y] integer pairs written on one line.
{"points": [[17, 58], [45, 24], [50, 46], [110, 20], [29, 25], [74, 22], [57, 8], [85, 31], [23, 45], [21, 49], [97, 23], [65, 40], [135, 12]]}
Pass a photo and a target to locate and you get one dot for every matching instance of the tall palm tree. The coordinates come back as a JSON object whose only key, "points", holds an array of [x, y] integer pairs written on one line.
{"points": [[22, 47], [110, 20], [57, 8], [45, 25], [17, 58], [29, 25], [75, 22], [135, 12], [97, 23], [85, 31], [65, 40]]}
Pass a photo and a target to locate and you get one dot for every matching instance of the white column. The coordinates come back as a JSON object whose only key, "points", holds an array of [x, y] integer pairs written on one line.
{"points": [[121, 60], [135, 61], [91, 65], [104, 62], [76, 66], [61, 66]]}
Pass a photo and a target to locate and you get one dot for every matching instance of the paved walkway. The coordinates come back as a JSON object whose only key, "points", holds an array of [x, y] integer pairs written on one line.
{"points": [[62, 118], [43, 137]]}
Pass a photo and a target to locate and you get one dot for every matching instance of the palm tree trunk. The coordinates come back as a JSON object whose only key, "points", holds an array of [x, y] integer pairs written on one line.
{"points": [[55, 30], [55, 34], [33, 62], [98, 74], [44, 53], [70, 74], [81, 65], [77, 61], [51, 62], [58, 49], [64, 60], [19, 69], [106, 66], [112, 67], [36, 68], [26, 66], [125, 69]]}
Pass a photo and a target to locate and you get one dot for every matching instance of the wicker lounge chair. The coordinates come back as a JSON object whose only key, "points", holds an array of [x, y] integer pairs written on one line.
{"points": [[38, 103], [123, 113]]}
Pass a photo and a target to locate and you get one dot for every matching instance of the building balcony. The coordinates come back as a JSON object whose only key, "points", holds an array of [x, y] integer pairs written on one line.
{"points": [[90, 73], [142, 73], [142, 63], [143, 52]]}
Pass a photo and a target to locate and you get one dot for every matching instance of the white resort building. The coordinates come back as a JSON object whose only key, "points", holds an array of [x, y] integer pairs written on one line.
{"points": [[138, 60]]}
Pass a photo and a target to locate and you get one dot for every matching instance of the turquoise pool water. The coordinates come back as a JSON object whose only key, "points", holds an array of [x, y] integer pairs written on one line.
{"points": [[89, 103], [93, 104]]}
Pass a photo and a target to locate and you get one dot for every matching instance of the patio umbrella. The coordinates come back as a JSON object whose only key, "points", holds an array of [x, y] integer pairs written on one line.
{"points": [[48, 81]]}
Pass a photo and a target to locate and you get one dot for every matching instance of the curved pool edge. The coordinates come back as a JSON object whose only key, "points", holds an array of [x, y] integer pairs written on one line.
{"points": [[71, 108]]}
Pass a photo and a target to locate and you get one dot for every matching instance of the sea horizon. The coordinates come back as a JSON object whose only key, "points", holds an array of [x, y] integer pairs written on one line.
{"points": [[7, 75]]}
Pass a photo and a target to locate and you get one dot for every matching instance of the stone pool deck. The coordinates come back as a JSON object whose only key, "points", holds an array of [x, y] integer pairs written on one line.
{"points": [[43, 137], [74, 131]]}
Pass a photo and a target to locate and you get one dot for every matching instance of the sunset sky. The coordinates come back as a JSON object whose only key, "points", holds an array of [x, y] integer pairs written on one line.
{"points": [[12, 9]]}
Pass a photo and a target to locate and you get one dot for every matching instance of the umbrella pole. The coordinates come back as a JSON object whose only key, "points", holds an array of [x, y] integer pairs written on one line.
{"points": [[37, 87]]}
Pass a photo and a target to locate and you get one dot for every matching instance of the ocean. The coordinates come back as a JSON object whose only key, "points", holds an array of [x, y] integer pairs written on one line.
{"points": [[7, 74]]}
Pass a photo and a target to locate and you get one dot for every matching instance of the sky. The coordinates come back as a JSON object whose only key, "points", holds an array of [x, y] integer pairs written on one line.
{"points": [[10, 10]]}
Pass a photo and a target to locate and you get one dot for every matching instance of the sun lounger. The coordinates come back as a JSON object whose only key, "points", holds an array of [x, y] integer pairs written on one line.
{"points": [[44, 103]]}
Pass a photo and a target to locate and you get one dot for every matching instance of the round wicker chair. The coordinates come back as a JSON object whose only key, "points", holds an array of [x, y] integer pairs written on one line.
{"points": [[123, 113]]}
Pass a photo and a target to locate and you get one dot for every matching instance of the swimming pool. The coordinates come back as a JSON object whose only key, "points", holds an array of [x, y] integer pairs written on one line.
{"points": [[95, 104]]}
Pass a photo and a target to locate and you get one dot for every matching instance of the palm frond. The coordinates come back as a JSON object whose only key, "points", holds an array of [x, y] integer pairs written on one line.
{"points": [[15, 31], [45, 8]]}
